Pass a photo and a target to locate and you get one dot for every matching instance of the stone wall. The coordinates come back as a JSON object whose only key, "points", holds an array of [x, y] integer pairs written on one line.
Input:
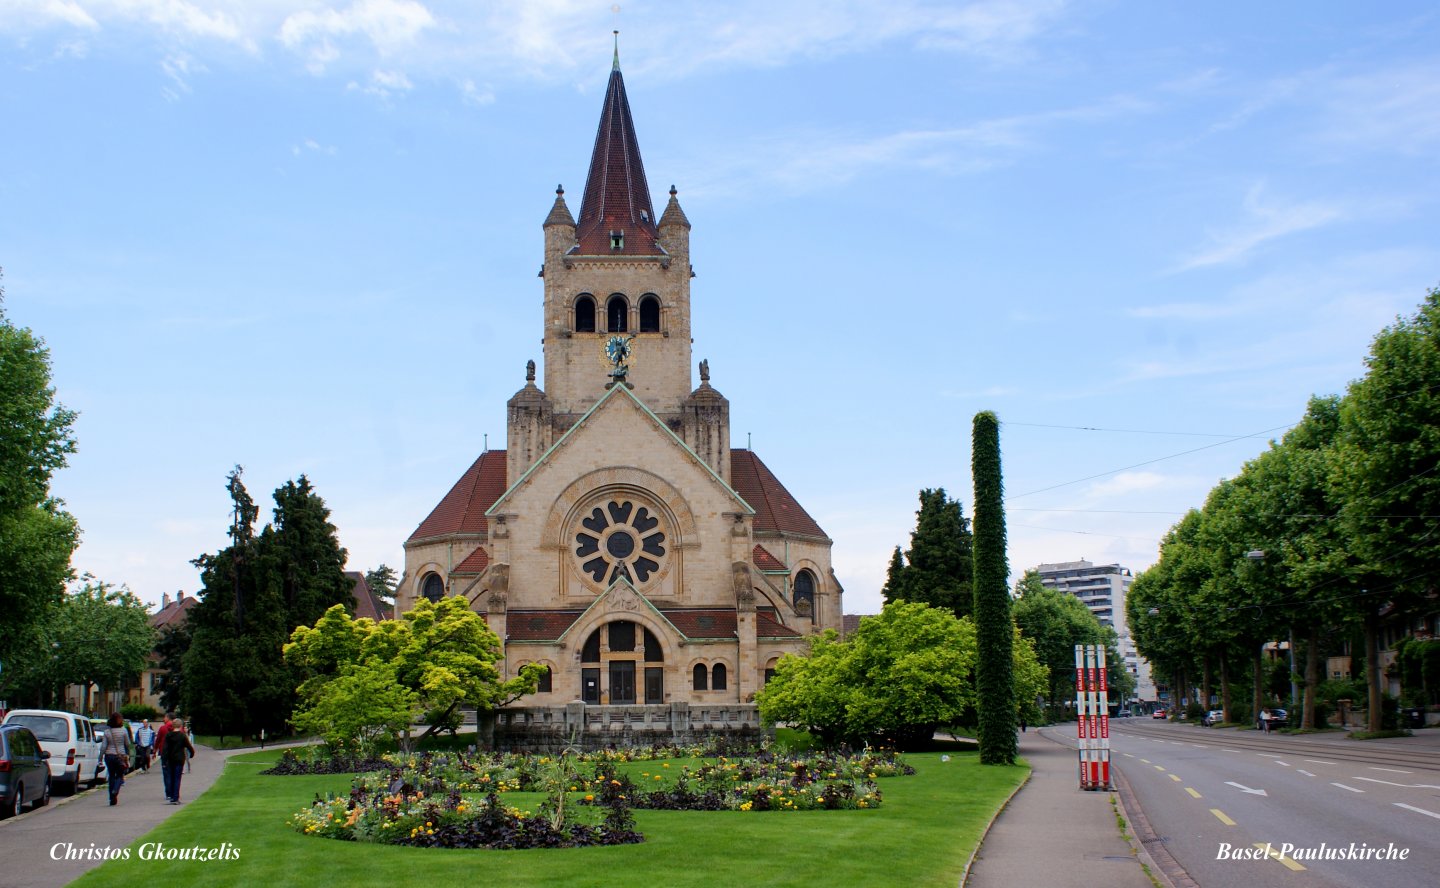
{"points": [[553, 729]]}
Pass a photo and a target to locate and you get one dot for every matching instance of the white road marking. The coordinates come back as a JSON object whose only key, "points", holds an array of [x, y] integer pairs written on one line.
{"points": [[1199, 745], [1318, 762], [1283, 764], [1391, 770], [1305, 772], [1236, 751], [1243, 788], [1417, 810], [1343, 786], [1127, 755], [1405, 785], [1268, 755]]}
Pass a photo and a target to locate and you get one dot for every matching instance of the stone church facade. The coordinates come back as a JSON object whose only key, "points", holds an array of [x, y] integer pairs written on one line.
{"points": [[618, 539]]}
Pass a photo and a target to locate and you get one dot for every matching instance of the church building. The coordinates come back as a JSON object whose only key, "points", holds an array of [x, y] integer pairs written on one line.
{"points": [[618, 539]]}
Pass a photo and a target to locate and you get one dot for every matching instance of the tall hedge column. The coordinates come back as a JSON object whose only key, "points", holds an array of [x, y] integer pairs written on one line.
{"points": [[994, 631]]}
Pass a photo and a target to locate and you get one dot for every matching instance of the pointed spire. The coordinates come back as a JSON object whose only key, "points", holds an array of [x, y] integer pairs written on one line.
{"points": [[559, 213], [616, 216], [673, 214]]}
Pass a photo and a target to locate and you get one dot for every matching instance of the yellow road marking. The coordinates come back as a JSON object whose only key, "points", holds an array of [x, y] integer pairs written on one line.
{"points": [[1158, 768], [1290, 864], [1193, 793], [1175, 778], [1221, 815], [1146, 761]]}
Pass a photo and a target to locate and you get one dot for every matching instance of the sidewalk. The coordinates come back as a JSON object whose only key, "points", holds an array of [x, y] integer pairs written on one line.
{"points": [[1053, 833], [85, 821]]}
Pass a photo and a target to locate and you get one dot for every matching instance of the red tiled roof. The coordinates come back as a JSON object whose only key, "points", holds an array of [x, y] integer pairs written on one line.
{"points": [[775, 509], [474, 563], [850, 624], [367, 603], [765, 561], [173, 613], [721, 623], [539, 625], [463, 508], [617, 197], [767, 626]]}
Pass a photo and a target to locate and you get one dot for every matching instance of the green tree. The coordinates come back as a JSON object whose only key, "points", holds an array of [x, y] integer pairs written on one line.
{"points": [[37, 536], [171, 643], [364, 679], [1055, 622], [383, 581], [255, 592], [1387, 470], [995, 631], [936, 569]]}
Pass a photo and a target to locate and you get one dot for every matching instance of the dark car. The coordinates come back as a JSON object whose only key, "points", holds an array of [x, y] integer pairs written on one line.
{"points": [[24, 771]]}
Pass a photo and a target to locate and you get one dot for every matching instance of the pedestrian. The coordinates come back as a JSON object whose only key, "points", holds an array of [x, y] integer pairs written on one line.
{"points": [[173, 756], [144, 746], [117, 755], [160, 748]]}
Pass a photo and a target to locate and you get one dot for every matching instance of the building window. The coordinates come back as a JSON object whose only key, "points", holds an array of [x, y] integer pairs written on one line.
{"points": [[650, 313], [654, 684], [622, 635], [717, 677], [653, 654], [544, 686], [701, 681], [617, 240], [433, 588], [617, 314], [805, 591], [590, 653], [620, 540], [585, 314]]}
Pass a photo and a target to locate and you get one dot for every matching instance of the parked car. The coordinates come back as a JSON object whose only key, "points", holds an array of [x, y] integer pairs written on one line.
{"points": [[24, 771], [1277, 718], [70, 740], [1159, 713], [1213, 717]]}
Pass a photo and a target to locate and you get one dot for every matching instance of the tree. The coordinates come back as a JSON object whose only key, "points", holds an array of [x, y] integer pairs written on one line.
{"points": [[936, 570], [383, 581], [99, 635], [994, 629], [364, 679], [1055, 622], [1386, 469], [37, 536], [904, 673], [255, 592], [171, 644]]}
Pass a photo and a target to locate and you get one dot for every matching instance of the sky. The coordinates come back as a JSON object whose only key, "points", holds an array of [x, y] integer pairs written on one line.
{"points": [[303, 237]]}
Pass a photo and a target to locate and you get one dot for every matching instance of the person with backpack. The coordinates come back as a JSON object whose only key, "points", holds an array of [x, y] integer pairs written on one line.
{"points": [[173, 755]]}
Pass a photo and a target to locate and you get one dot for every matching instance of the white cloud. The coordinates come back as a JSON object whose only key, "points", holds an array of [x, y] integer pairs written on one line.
{"points": [[388, 25], [313, 147], [1126, 483], [383, 84], [1393, 110], [1265, 221], [475, 95], [18, 13], [179, 68]]}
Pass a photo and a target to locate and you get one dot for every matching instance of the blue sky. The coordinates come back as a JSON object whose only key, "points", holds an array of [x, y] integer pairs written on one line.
{"points": [[303, 237]]}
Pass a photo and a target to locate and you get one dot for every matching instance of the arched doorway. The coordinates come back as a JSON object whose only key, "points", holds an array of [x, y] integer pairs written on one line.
{"points": [[627, 658]]}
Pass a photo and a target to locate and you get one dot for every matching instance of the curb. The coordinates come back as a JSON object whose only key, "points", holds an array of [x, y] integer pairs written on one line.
{"points": [[965, 874], [1163, 866]]}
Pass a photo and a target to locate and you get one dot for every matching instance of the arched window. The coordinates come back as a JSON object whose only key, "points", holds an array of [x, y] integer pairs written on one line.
{"points": [[617, 314], [433, 587], [805, 591], [653, 653], [700, 681], [650, 313], [545, 684], [590, 653], [585, 314], [717, 677]]}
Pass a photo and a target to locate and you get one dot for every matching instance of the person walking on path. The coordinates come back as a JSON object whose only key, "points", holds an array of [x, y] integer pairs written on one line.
{"points": [[117, 755], [144, 745], [173, 756], [160, 748]]}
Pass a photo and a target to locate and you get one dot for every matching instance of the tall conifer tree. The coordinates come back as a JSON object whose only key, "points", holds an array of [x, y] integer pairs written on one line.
{"points": [[994, 630], [936, 569]]}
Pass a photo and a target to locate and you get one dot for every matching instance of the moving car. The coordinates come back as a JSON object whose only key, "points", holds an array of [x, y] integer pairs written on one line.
{"points": [[70, 740], [1159, 713], [24, 773]]}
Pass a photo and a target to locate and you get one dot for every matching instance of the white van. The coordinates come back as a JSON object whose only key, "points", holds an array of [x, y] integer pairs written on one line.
{"points": [[70, 740]]}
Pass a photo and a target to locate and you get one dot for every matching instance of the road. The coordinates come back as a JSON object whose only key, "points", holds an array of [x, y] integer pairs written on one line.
{"points": [[1210, 793]]}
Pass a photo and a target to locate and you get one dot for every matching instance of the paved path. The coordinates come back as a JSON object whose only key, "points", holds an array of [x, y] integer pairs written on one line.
{"points": [[1053, 833], [86, 822]]}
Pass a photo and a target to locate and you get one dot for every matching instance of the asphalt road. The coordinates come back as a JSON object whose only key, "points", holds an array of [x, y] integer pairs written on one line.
{"points": [[1212, 792]]}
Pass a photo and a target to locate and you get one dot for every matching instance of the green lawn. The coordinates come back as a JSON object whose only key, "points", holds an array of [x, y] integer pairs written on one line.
{"points": [[922, 836]]}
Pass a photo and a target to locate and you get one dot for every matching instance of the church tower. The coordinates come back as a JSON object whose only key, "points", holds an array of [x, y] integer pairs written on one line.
{"points": [[617, 271]]}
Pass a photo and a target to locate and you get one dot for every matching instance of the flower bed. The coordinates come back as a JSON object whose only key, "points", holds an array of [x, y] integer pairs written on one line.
{"points": [[453, 800]]}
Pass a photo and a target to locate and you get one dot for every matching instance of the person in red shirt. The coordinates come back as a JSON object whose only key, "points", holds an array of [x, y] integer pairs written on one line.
{"points": [[160, 745]]}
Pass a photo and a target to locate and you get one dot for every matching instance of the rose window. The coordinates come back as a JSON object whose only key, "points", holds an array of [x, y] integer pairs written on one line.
{"points": [[620, 540]]}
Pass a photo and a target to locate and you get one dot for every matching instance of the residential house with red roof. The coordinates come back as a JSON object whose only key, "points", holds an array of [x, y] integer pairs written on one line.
{"points": [[618, 539]]}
